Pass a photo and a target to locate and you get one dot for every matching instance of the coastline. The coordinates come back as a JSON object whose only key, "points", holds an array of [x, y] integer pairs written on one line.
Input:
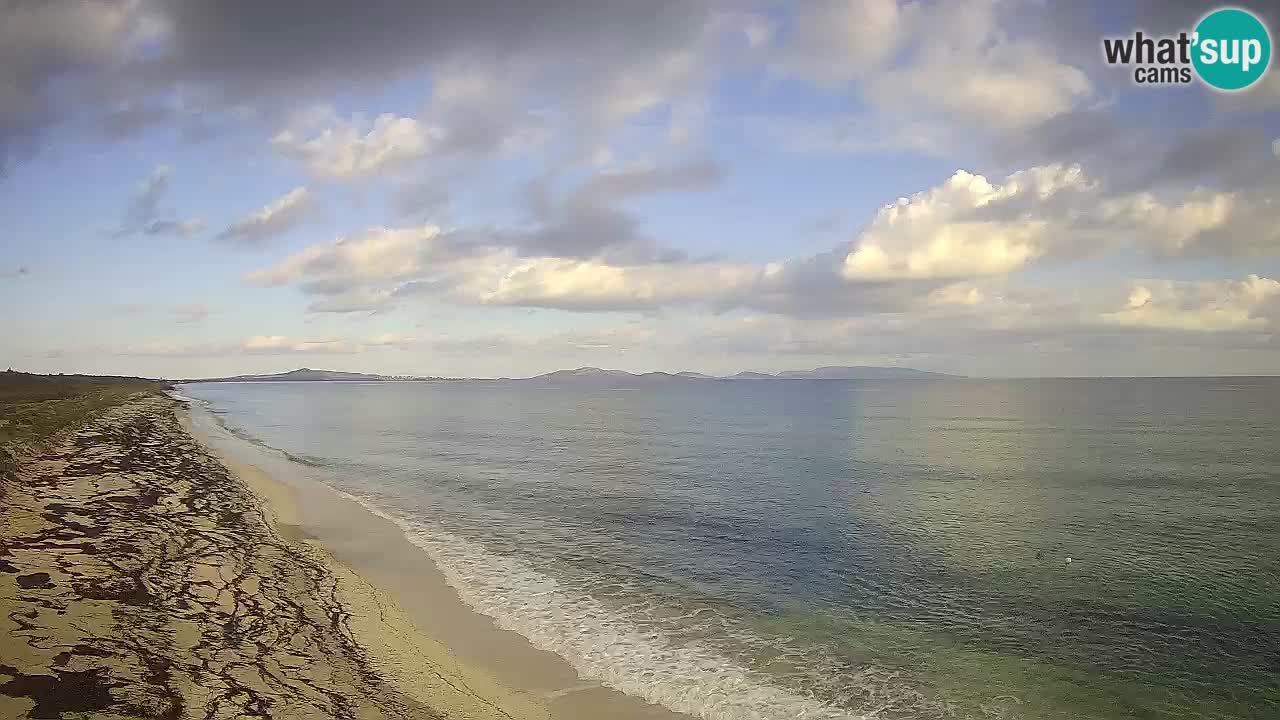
{"points": [[416, 664], [140, 579], [402, 608]]}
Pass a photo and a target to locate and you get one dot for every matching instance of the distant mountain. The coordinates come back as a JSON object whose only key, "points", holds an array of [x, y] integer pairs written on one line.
{"points": [[859, 372], [597, 377], [594, 376], [306, 375], [582, 373]]}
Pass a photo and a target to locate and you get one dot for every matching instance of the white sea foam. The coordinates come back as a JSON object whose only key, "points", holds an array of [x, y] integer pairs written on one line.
{"points": [[608, 645], [183, 398], [601, 644]]}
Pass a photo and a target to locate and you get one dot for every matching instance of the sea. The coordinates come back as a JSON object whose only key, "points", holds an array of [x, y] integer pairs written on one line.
{"points": [[750, 550]]}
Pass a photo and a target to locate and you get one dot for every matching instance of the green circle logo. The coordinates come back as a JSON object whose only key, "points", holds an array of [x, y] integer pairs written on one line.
{"points": [[1232, 49]]}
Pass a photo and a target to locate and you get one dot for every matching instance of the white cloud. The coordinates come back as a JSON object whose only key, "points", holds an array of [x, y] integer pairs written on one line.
{"points": [[377, 254], [284, 345], [925, 251], [1004, 85], [971, 226], [591, 285], [269, 345], [278, 216], [937, 234], [1172, 228], [357, 147], [1204, 306], [954, 59]]}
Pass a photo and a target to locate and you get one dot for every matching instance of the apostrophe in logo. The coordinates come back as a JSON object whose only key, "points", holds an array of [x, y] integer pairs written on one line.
{"points": [[1232, 49], [1229, 49]]}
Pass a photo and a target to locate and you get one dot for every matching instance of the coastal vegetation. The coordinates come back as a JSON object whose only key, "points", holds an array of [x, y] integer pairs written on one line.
{"points": [[34, 408]]}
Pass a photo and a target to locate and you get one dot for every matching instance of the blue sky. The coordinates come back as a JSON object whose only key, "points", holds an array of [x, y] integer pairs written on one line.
{"points": [[199, 189]]}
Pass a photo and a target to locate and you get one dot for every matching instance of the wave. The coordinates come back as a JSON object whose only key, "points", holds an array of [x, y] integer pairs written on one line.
{"points": [[183, 398], [220, 417], [600, 643], [615, 647]]}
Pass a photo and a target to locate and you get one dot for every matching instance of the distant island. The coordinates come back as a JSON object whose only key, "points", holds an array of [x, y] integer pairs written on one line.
{"points": [[309, 375], [595, 376], [619, 378]]}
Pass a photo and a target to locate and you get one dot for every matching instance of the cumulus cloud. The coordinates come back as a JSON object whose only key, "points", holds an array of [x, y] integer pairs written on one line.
{"points": [[588, 285], [377, 254], [937, 234], [919, 252], [474, 111], [367, 271], [1007, 85], [1251, 304], [1174, 228], [357, 148], [970, 226], [956, 59], [276, 217]]}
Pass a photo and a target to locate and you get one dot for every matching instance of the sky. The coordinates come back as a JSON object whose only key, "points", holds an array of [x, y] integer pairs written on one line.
{"points": [[450, 188]]}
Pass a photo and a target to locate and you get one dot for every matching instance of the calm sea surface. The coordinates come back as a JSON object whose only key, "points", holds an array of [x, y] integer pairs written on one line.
{"points": [[782, 549]]}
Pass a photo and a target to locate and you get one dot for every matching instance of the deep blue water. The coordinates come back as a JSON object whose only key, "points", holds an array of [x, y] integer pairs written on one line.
{"points": [[770, 549]]}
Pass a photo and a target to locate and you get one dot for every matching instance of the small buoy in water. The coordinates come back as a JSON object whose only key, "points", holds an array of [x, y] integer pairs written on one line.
{"points": [[1039, 554], [1068, 561]]}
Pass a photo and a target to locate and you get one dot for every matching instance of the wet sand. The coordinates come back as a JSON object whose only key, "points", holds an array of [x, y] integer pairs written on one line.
{"points": [[139, 578], [372, 557]]}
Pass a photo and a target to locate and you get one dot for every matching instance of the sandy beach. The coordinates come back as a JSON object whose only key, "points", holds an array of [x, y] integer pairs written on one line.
{"points": [[144, 574], [403, 608]]}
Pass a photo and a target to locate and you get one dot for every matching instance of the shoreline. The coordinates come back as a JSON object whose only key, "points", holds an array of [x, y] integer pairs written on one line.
{"points": [[380, 571], [417, 664], [140, 579]]}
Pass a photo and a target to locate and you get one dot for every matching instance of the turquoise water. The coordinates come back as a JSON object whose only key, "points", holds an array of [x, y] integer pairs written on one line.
{"points": [[780, 549]]}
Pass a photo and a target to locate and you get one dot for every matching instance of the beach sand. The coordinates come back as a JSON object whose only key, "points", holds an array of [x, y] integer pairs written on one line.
{"points": [[143, 576], [378, 567]]}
